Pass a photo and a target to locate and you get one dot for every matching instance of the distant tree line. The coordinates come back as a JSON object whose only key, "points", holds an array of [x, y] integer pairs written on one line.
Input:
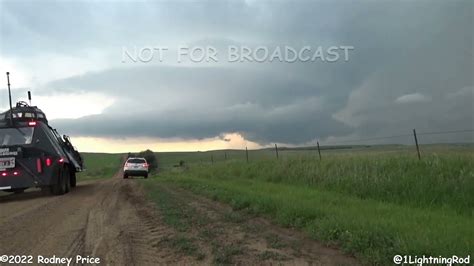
{"points": [[149, 156]]}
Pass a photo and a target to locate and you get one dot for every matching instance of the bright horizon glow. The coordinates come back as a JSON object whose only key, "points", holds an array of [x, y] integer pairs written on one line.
{"points": [[114, 145]]}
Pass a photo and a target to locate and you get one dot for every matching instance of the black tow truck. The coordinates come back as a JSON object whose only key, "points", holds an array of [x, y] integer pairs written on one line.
{"points": [[33, 154]]}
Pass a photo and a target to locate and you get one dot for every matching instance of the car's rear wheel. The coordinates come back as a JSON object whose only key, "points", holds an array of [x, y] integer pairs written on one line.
{"points": [[16, 190], [19, 190], [125, 176]]}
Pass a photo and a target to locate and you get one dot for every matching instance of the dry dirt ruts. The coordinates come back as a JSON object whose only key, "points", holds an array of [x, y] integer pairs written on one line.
{"points": [[111, 219]]}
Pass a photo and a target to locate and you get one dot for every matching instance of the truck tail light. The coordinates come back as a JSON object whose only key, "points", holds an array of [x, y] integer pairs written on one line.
{"points": [[48, 161], [39, 166]]}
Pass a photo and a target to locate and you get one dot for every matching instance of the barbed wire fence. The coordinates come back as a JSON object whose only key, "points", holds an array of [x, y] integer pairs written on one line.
{"points": [[415, 137]]}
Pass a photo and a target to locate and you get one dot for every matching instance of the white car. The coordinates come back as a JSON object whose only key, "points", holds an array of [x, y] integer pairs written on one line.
{"points": [[135, 167]]}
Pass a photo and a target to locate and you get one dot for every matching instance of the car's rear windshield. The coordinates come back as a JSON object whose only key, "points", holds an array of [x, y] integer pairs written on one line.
{"points": [[16, 136], [136, 161]]}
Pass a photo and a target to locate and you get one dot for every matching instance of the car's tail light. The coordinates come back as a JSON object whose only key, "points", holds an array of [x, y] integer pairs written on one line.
{"points": [[4, 174], [61, 160], [32, 123], [16, 173], [39, 166], [145, 165], [48, 161]]}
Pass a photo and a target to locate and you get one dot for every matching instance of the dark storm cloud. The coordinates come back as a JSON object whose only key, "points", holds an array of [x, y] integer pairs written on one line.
{"points": [[199, 124], [201, 102], [412, 67]]}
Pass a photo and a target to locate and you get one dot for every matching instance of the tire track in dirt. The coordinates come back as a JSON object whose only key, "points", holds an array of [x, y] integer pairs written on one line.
{"points": [[99, 219], [226, 236], [113, 220]]}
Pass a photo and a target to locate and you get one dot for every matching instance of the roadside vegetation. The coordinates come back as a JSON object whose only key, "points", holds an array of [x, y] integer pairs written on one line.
{"points": [[180, 217], [210, 233], [100, 165], [374, 203]]}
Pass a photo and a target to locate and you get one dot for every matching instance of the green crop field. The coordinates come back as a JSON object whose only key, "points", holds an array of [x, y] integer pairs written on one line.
{"points": [[373, 202], [100, 165]]}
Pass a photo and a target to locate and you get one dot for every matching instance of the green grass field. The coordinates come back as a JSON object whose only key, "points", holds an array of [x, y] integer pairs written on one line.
{"points": [[373, 202], [100, 165]]}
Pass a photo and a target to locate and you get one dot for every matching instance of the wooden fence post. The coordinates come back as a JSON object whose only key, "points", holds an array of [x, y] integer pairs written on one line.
{"points": [[417, 146], [276, 150], [247, 153], [319, 151]]}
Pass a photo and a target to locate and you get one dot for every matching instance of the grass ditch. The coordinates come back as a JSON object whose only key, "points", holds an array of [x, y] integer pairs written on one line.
{"points": [[178, 215], [374, 226], [437, 181], [200, 234]]}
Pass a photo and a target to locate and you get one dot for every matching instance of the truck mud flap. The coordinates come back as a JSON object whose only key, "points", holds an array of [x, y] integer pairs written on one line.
{"points": [[33, 175]]}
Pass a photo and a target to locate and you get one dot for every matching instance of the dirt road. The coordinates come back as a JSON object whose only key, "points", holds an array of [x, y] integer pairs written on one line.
{"points": [[112, 220]]}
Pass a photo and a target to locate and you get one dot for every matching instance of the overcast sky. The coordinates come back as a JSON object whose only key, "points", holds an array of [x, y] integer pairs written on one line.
{"points": [[411, 67]]}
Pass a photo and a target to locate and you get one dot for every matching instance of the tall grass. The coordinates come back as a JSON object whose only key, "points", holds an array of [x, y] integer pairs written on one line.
{"points": [[434, 182], [372, 230], [374, 203]]}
